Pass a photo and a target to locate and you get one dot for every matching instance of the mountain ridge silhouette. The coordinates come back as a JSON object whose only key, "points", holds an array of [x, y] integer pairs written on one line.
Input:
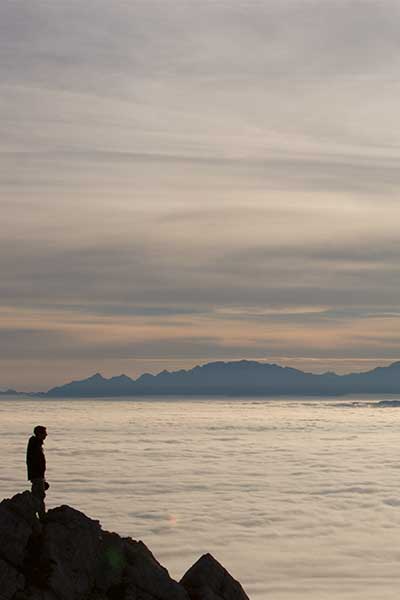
{"points": [[234, 378]]}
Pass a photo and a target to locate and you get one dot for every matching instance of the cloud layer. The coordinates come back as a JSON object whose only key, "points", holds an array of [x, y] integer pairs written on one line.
{"points": [[299, 499]]}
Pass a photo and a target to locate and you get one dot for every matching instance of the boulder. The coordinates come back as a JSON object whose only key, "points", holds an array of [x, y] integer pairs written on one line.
{"points": [[208, 580], [17, 522], [69, 557], [71, 550], [147, 577]]}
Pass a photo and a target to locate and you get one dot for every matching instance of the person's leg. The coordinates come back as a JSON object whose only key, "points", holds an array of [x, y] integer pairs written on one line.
{"points": [[39, 494]]}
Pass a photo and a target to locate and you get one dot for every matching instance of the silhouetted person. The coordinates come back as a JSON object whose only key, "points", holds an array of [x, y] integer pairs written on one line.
{"points": [[36, 463]]}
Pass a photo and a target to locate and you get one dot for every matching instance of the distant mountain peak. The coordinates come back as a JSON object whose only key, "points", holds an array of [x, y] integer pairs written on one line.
{"points": [[121, 378], [96, 377]]}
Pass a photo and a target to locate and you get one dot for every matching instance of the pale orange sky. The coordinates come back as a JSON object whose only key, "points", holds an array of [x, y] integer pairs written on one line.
{"points": [[183, 182]]}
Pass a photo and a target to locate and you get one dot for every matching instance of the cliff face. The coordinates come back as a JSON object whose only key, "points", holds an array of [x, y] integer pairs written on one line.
{"points": [[69, 557]]}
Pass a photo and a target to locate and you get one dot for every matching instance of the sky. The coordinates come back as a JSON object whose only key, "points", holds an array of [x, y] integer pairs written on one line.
{"points": [[186, 181]]}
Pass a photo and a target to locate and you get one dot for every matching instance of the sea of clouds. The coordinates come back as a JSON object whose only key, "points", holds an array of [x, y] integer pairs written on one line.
{"points": [[299, 499]]}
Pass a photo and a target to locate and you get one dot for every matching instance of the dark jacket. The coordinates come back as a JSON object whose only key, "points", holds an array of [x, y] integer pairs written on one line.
{"points": [[35, 460]]}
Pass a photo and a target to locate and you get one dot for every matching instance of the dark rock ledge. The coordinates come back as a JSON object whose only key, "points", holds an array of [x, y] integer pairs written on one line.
{"points": [[69, 557]]}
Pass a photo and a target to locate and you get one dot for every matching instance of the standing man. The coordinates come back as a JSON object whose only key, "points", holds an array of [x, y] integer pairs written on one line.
{"points": [[36, 463]]}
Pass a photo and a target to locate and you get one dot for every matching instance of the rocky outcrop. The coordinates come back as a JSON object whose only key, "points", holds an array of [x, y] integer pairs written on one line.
{"points": [[70, 557], [208, 580]]}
